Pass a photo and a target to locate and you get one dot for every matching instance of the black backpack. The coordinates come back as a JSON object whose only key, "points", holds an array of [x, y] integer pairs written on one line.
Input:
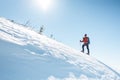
{"points": [[88, 40]]}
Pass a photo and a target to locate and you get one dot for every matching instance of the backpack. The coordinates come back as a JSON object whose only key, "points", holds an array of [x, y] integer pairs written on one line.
{"points": [[88, 40]]}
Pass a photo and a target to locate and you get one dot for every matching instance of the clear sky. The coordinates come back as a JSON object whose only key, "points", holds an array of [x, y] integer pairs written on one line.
{"points": [[69, 20]]}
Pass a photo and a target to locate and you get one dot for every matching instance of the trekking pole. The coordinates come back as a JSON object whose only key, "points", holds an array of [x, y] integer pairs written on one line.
{"points": [[80, 44]]}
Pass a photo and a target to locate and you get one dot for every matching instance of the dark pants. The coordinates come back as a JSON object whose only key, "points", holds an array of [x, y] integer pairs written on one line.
{"points": [[87, 46]]}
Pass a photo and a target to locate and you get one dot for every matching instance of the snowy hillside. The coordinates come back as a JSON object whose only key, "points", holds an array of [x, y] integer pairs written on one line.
{"points": [[26, 55]]}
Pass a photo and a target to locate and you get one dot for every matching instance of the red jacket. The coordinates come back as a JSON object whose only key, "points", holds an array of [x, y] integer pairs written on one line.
{"points": [[85, 40]]}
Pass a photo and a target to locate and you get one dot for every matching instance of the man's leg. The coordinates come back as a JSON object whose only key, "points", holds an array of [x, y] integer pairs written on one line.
{"points": [[83, 48], [88, 49]]}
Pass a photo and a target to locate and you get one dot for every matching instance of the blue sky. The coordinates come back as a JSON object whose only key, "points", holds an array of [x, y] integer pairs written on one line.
{"points": [[69, 20]]}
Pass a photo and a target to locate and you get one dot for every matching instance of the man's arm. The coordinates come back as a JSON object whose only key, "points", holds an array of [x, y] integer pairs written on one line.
{"points": [[81, 40]]}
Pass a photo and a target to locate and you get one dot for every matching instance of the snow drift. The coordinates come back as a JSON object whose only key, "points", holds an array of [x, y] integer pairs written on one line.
{"points": [[27, 55]]}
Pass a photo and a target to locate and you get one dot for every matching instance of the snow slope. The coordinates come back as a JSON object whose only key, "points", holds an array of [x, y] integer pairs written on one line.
{"points": [[27, 55]]}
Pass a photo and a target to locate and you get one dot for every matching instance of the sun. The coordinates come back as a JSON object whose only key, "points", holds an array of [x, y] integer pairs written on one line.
{"points": [[43, 4]]}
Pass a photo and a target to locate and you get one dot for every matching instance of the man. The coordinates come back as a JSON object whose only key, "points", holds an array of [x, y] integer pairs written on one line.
{"points": [[86, 43]]}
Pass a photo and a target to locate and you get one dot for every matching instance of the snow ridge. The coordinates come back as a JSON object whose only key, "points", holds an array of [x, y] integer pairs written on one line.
{"points": [[27, 55]]}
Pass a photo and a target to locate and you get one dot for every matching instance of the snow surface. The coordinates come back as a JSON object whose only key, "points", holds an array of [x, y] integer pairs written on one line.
{"points": [[27, 55]]}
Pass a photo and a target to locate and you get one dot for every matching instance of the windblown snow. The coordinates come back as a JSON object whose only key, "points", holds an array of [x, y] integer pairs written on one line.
{"points": [[27, 55]]}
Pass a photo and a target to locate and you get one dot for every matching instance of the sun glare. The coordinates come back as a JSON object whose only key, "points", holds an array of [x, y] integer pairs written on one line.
{"points": [[43, 4]]}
